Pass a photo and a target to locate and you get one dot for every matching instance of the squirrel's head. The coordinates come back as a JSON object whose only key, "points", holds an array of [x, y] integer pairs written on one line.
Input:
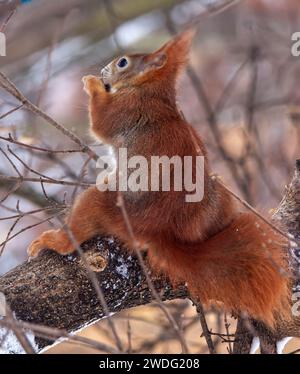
{"points": [[137, 69]]}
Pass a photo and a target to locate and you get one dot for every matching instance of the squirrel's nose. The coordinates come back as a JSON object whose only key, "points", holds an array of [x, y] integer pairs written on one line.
{"points": [[105, 72]]}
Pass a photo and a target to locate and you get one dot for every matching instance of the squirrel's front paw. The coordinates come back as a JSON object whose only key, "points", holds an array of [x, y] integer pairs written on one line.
{"points": [[92, 85], [52, 239]]}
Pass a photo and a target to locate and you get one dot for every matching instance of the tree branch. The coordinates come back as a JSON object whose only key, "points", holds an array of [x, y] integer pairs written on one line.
{"points": [[56, 291]]}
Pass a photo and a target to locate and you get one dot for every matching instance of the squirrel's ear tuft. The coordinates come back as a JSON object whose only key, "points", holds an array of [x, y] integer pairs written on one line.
{"points": [[180, 44], [171, 58], [174, 55], [176, 50]]}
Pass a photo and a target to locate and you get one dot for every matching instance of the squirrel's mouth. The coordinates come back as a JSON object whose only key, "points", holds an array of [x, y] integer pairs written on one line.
{"points": [[106, 85]]}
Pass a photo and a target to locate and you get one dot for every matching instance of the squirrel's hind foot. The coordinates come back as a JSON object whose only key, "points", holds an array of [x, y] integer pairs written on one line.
{"points": [[55, 240]]}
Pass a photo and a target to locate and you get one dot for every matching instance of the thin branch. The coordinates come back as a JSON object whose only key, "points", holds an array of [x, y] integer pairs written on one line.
{"points": [[39, 180], [12, 89], [55, 334], [11, 111], [10, 139], [205, 330]]}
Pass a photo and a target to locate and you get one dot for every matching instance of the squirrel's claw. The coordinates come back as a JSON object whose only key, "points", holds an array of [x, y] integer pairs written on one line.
{"points": [[92, 85], [46, 240], [55, 240]]}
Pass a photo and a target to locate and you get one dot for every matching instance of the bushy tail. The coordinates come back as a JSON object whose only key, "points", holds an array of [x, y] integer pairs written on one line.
{"points": [[244, 266]]}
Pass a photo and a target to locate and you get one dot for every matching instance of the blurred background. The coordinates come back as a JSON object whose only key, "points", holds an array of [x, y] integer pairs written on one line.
{"points": [[240, 93]]}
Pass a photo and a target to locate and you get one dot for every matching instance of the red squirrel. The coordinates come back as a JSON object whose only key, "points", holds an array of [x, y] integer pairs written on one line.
{"points": [[222, 253]]}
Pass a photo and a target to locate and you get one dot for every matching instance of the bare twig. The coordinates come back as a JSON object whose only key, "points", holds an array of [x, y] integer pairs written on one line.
{"points": [[44, 180], [10, 139], [205, 330], [12, 89], [55, 334]]}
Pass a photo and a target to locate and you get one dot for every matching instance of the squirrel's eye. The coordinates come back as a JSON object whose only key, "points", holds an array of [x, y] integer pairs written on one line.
{"points": [[122, 62]]}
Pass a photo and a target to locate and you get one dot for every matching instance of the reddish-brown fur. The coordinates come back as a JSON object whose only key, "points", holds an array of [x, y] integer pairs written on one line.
{"points": [[221, 253]]}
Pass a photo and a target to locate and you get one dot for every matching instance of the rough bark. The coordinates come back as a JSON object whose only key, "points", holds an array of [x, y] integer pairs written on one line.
{"points": [[56, 291]]}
